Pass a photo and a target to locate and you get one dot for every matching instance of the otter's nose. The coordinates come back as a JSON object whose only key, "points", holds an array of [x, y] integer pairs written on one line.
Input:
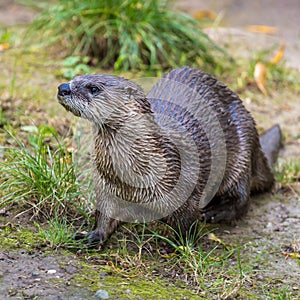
{"points": [[64, 89]]}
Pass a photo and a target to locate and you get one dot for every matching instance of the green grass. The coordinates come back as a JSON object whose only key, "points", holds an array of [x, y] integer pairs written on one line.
{"points": [[40, 175], [197, 263], [130, 34], [189, 254], [58, 233], [287, 171]]}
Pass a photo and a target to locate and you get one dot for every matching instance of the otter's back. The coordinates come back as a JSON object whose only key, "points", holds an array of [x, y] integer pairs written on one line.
{"points": [[196, 103]]}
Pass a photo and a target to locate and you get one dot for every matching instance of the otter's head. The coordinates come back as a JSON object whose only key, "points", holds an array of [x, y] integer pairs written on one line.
{"points": [[100, 98]]}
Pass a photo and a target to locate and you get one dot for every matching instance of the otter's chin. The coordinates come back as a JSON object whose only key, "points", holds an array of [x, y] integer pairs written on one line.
{"points": [[74, 112], [62, 101]]}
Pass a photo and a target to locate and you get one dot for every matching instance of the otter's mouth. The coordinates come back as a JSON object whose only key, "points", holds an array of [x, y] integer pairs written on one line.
{"points": [[63, 102]]}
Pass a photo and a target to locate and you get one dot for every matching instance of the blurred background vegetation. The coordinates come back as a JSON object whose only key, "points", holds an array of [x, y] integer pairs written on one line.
{"points": [[124, 34]]}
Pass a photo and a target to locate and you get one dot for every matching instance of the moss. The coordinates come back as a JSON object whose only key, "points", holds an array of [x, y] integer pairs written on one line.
{"points": [[148, 289], [18, 237], [131, 286]]}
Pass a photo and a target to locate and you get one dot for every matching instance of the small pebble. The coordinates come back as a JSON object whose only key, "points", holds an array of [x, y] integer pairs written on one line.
{"points": [[128, 291], [101, 294], [103, 274], [35, 274]]}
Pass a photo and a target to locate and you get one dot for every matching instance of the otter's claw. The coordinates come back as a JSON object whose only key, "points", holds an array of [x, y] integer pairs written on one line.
{"points": [[95, 239]]}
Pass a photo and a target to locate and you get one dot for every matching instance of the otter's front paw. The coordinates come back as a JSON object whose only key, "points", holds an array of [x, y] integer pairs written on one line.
{"points": [[95, 239]]}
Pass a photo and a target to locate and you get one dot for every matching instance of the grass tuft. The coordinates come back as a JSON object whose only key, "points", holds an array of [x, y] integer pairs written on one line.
{"points": [[190, 257], [129, 34], [40, 175], [58, 233]]}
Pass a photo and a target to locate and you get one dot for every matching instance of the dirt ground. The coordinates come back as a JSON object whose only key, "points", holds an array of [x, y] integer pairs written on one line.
{"points": [[272, 226], [31, 276]]}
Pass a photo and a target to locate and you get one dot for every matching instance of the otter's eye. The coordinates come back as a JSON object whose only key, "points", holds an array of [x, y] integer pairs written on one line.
{"points": [[94, 89]]}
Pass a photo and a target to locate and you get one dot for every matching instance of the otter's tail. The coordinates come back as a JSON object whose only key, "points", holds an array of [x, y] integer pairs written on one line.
{"points": [[271, 142]]}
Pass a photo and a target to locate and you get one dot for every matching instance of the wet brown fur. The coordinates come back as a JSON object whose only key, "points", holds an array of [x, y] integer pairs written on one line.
{"points": [[247, 169]]}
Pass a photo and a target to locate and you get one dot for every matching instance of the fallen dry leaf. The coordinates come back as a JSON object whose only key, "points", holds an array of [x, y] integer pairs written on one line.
{"points": [[169, 255], [291, 255], [204, 14], [279, 55], [4, 47], [260, 75], [287, 107], [214, 238], [292, 250], [262, 29], [120, 271]]}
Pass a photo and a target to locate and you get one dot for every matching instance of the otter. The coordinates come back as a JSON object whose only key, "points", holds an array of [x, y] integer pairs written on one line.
{"points": [[187, 151]]}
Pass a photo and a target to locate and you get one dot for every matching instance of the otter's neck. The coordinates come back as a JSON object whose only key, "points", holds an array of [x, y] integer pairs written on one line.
{"points": [[134, 155]]}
